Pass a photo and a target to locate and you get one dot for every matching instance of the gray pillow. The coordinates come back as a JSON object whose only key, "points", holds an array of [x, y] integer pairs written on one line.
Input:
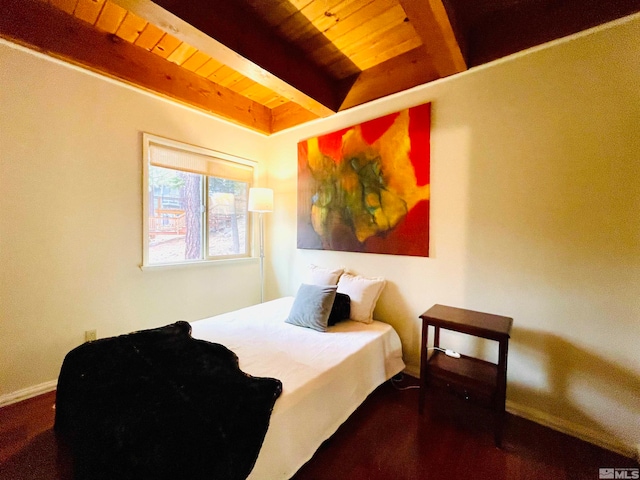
{"points": [[312, 306]]}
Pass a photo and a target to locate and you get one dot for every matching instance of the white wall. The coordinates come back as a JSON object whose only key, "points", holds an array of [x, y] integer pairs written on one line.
{"points": [[71, 216], [534, 215]]}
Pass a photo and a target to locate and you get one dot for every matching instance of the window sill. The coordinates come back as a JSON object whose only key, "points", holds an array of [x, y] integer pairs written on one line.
{"points": [[199, 263]]}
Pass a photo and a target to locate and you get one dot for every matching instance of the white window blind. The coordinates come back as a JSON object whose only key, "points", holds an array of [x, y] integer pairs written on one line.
{"points": [[192, 162]]}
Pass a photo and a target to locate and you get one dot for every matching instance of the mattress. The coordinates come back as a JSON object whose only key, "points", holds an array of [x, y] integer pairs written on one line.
{"points": [[325, 375]]}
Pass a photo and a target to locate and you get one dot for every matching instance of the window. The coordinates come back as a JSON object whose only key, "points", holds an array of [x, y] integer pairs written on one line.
{"points": [[187, 188]]}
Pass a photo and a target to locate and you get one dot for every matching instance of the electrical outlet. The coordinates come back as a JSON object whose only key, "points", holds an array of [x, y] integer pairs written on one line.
{"points": [[90, 335]]}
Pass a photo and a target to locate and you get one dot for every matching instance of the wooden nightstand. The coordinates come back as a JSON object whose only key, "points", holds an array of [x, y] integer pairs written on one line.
{"points": [[478, 380]]}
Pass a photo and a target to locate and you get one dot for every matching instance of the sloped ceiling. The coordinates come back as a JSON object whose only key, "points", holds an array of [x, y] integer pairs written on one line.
{"points": [[273, 64]]}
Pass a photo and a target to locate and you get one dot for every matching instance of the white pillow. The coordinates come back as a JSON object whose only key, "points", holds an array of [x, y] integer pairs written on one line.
{"points": [[363, 292], [323, 276]]}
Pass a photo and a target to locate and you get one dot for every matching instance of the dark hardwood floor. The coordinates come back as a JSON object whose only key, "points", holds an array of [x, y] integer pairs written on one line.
{"points": [[384, 439]]}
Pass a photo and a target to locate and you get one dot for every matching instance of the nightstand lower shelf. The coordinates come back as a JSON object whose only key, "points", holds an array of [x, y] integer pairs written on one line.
{"points": [[469, 377]]}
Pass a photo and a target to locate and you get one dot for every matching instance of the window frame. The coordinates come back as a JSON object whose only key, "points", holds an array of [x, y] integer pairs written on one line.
{"points": [[149, 139]]}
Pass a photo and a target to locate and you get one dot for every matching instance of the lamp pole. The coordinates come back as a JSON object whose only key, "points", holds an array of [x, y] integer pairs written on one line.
{"points": [[261, 222], [261, 202]]}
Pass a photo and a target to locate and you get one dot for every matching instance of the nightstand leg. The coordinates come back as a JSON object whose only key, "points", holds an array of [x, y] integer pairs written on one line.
{"points": [[423, 366], [501, 393]]}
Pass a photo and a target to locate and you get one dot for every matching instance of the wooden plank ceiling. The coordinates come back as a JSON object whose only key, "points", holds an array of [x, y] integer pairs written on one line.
{"points": [[273, 64]]}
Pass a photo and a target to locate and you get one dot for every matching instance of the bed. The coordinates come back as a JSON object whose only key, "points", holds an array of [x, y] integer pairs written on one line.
{"points": [[325, 375], [250, 394]]}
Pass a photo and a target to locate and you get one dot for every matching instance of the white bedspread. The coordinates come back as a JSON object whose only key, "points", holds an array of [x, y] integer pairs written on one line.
{"points": [[325, 376]]}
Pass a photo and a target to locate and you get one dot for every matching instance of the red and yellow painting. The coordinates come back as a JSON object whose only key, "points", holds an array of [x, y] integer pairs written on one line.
{"points": [[366, 188]]}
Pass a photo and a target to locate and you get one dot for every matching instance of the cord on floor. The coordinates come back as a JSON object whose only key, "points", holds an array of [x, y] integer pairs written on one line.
{"points": [[397, 379]]}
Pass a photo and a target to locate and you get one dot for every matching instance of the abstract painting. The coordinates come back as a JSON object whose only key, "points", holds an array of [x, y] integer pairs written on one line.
{"points": [[366, 188]]}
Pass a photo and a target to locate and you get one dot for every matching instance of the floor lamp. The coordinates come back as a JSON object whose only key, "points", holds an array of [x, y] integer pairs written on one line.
{"points": [[260, 202]]}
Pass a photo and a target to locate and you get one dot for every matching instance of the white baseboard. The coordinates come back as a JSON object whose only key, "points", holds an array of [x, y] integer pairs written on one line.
{"points": [[600, 439], [25, 393]]}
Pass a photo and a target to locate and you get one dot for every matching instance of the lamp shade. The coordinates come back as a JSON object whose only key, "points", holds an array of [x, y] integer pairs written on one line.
{"points": [[260, 200]]}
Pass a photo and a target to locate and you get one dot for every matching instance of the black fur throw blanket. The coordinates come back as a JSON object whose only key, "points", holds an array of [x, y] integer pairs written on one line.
{"points": [[159, 404]]}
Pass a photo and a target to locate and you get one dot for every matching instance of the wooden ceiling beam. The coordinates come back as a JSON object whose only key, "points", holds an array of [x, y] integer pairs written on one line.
{"points": [[431, 22], [394, 75], [289, 115], [237, 38], [47, 29]]}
